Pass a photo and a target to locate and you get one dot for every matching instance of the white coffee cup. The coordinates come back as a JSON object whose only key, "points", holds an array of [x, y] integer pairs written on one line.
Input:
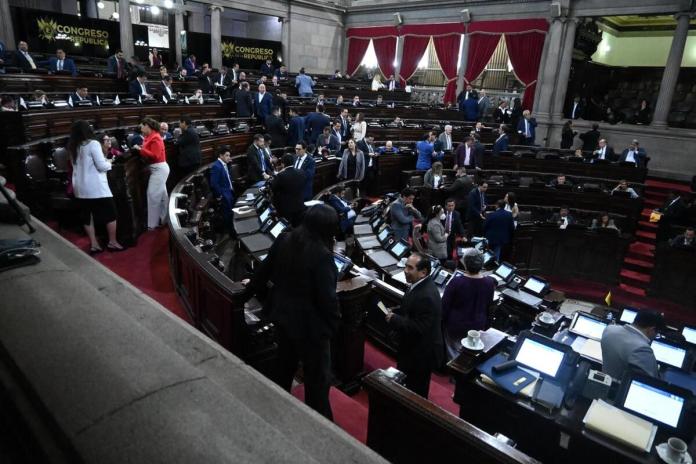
{"points": [[546, 318], [473, 337], [676, 449]]}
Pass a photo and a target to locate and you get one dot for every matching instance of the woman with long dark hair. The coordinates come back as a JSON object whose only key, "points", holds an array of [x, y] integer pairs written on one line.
{"points": [[90, 185], [153, 152], [298, 278]]}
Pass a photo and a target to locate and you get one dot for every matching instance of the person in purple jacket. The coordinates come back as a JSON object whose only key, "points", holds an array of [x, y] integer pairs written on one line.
{"points": [[465, 303]]}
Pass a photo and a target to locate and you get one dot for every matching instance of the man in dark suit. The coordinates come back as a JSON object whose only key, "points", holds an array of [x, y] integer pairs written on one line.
{"points": [[468, 155], [366, 145], [604, 152], [263, 104], [190, 65], [80, 94], [288, 188], [138, 87], [590, 139], [417, 323], [205, 81], [502, 143], [61, 63], [22, 58], [315, 123], [453, 225], [685, 241], [281, 73], [527, 128], [562, 218], [479, 150], [634, 154], [223, 82], [498, 228], [460, 188], [502, 113], [344, 118], [296, 128], [329, 141], [221, 185], [305, 163], [267, 68], [259, 168], [337, 133], [116, 64], [467, 93], [134, 68], [576, 109], [345, 211], [189, 144], [166, 90], [244, 103], [476, 210], [275, 127]]}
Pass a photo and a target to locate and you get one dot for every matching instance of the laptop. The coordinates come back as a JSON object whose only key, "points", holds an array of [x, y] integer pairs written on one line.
{"points": [[384, 235], [362, 229], [399, 248], [587, 326], [504, 273], [270, 230], [367, 242], [540, 354], [656, 401], [668, 352], [247, 226]]}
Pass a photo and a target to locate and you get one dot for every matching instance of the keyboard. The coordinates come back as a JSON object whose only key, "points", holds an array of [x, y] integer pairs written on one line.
{"points": [[382, 258], [522, 297]]}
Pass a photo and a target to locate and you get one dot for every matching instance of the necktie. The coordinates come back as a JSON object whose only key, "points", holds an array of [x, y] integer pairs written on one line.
{"points": [[227, 172], [60, 65], [603, 148], [263, 161], [298, 163], [483, 203], [30, 60], [222, 78]]}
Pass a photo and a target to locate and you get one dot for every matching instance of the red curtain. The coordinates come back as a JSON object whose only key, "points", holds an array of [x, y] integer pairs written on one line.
{"points": [[447, 50], [509, 26], [356, 52], [414, 47], [481, 48], [385, 49], [525, 55]]}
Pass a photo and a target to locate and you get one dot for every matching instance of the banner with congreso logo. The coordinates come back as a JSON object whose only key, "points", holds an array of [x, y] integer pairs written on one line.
{"points": [[45, 31], [249, 53]]}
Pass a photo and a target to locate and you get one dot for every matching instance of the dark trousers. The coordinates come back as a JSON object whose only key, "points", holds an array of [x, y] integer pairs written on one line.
{"points": [[370, 183], [316, 363], [417, 380], [474, 227]]}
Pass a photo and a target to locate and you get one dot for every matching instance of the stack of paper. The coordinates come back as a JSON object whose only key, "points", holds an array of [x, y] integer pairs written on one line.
{"points": [[620, 425]]}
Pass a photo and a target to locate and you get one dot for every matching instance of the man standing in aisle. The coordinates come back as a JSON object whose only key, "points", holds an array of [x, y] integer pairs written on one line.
{"points": [[527, 128]]}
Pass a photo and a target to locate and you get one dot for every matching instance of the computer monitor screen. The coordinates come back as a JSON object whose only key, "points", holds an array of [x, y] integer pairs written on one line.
{"points": [[399, 249], [504, 271], [277, 229], [689, 334], [535, 285], [383, 234], [628, 315], [668, 354], [652, 402], [540, 357], [264, 215], [588, 327]]}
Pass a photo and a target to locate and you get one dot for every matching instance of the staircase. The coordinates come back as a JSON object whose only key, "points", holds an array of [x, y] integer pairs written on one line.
{"points": [[639, 261]]}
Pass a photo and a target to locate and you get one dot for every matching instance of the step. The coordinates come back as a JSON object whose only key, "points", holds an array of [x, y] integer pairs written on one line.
{"points": [[638, 265], [653, 203], [633, 290], [644, 235], [654, 194], [667, 185], [647, 225], [634, 279]]}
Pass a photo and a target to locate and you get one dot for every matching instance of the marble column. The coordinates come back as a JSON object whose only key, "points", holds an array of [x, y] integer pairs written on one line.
{"points": [[546, 80], [399, 55], [125, 28], [285, 39], [671, 73], [559, 95], [463, 59], [6, 26], [178, 29], [215, 36]]}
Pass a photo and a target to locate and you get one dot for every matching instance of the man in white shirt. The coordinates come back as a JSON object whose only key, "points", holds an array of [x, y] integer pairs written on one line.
{"points": [[446, 138], [634, 154], [22, 57], [604, 152]]}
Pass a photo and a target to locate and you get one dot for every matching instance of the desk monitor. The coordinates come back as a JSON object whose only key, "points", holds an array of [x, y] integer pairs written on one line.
{"points": [[539, 354], [442, 277], [259, 201], [265, 214], [343, 265], [505, 271], [588, 326], [668, 353], [488, 258], [689, 334], [536, 285], [400, 248], [278, 228], [384, 234], [434, 265], [267, 225], [628, 315], [377, 221], [655, 400]]}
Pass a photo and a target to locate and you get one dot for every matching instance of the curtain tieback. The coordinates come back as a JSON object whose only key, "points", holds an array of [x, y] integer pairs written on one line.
{"points": [[531, 83]]}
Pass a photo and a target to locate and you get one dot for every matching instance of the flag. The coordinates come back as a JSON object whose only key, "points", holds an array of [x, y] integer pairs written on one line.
{"points": [[70, 102], [117, 101], [607, 299], [22, 103]]}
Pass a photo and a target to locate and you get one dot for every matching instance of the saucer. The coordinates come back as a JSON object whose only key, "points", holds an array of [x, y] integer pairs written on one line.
{"points": [[465, 343], [662, 450], [543, 320]]}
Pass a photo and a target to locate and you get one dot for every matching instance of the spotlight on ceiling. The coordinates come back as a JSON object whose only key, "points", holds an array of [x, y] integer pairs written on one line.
{"points": [[155, 10], [168, 4]]}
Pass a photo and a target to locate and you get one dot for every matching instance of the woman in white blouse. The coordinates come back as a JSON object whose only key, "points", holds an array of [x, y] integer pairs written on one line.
{"points": [[359, 128], [91, 186]]}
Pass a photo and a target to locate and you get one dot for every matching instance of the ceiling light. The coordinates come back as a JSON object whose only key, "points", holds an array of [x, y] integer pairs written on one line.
{"points": [[139, 1], [154, 10], [168, 3]]}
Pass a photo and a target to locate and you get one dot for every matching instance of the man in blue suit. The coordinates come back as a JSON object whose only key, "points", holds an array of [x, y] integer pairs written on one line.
{"points": [[476, 210], [634, 154], [502, 142], [221, 185], [61, 63], [296, 128], [527, 128], [498, 228], [305, 163], [315, 123], [346, 214], [263, 104], [138, 87], [471, 108]]}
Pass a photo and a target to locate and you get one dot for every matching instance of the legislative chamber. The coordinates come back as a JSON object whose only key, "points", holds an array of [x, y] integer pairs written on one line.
{"points": [[347, 231]]}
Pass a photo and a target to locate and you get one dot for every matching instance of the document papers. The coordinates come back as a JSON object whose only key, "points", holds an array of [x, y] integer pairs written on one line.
{"points": [[620, 425], [588, 348]]}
